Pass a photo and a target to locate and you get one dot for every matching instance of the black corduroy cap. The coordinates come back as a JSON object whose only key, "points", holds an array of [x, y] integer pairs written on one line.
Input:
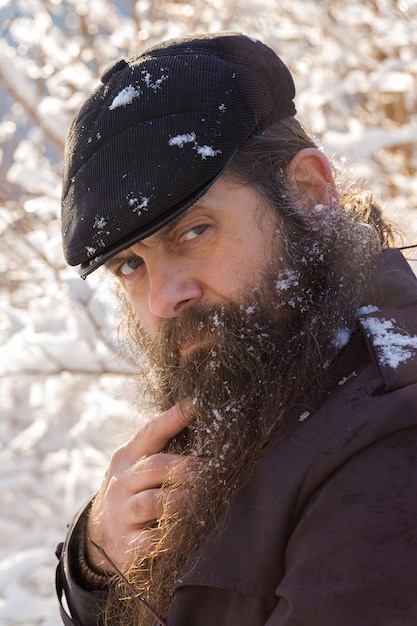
{"points": [[158, 131]]}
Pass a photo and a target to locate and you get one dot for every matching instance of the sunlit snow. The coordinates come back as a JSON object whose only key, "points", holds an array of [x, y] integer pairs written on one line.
{"points": [[125, 97], [66, 396], [394, 347]]}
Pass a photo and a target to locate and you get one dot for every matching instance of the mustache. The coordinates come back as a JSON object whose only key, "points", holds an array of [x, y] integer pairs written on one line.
{"points": [[204, 325], [231, 341], [224, 326], [198, 321]]}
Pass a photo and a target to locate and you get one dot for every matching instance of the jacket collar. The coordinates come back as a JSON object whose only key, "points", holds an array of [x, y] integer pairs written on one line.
{"points": [[388, 319]]}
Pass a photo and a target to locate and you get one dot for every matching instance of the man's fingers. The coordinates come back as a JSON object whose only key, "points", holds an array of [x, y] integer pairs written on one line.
{"points": [[143, 509], [130, 501], [147, 507], [147, 473], [154, 435], [138, 490]]}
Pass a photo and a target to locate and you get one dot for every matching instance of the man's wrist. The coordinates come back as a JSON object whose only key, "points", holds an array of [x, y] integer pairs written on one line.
{"points": [[90, 578]]}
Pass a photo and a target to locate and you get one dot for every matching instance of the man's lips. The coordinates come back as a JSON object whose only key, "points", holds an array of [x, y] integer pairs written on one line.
{"points": [[186, 344]]}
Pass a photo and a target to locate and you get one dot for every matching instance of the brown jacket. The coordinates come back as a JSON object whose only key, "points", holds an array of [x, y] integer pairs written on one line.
{"points": [[325, 531]]}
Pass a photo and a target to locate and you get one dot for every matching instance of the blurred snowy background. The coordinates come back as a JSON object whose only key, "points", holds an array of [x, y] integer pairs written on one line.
{"points": [[65, 395]]}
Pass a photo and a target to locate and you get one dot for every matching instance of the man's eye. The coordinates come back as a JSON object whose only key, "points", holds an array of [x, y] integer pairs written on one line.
{"points": [[194, 232], [129, 266]]}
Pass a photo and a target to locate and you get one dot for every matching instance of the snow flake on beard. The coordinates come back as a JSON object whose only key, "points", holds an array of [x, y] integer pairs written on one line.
{"points": [[205, 151], [341, 337], [287, 278], [394, 346], [287, 281]]}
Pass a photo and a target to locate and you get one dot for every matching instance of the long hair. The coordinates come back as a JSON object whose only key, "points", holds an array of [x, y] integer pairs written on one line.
{"points": [[262, 162]]}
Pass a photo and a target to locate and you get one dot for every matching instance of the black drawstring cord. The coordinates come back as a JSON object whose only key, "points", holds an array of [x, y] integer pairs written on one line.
{"points": [[130, 586], [407, 247]]}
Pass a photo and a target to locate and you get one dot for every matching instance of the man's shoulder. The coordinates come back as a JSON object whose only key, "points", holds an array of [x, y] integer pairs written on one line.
{"points": [[373, 396], [373, 390]]}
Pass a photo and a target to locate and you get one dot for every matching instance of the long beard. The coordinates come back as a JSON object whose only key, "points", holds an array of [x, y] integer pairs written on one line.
{"points": [[254, 360]]}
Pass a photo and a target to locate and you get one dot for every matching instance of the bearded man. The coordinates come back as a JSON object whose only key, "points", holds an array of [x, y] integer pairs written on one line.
{"points": [[275, 331]]}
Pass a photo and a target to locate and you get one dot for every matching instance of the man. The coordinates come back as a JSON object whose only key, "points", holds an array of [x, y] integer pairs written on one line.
{"points": [[276, 340]]}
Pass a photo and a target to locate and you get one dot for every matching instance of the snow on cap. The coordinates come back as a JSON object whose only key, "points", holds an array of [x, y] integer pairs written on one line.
{"points": [[158, 131]]}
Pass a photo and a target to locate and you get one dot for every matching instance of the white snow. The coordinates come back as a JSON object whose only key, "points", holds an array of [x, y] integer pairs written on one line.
{"points": [[138, 204], [290, 278], [125, 97], [207, 151], [99, 222], [181, 140], [66, 396], [341, 338], [366, 310], [151, 84], [90, 250], [394, 347], [204, 151]]}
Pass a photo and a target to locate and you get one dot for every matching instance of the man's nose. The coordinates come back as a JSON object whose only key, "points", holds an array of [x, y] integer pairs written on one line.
{"points": [[172, 289]]}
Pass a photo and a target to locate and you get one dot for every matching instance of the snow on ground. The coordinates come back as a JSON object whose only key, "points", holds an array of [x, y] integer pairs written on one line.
{"points": [[66, 397]]}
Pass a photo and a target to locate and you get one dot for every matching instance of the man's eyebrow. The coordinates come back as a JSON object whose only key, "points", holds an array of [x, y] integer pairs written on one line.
{"points": [[116, 260], [171, 224], [124, 254], [176, 220]]}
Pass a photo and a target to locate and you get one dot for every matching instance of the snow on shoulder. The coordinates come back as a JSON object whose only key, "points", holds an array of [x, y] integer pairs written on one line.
{"points": [[394, 346]]}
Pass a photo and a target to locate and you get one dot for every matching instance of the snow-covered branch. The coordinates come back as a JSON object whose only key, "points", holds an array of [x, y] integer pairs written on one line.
{"points": [[66, 399]]}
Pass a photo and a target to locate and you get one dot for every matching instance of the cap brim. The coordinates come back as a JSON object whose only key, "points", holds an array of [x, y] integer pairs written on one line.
{"points": [[88, 267]]}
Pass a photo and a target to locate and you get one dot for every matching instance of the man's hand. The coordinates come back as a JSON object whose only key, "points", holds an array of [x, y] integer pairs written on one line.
{"points": [[123, 514]]}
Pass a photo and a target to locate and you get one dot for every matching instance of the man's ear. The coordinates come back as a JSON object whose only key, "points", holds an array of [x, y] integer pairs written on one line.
{"points": [[309, 175]]}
